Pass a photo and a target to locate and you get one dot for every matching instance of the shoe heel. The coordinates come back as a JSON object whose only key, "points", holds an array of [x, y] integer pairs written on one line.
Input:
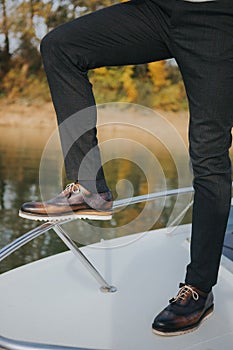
{"points": [[209, 312]]}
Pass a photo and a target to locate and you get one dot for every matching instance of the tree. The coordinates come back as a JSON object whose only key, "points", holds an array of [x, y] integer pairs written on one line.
{"points": [[158, 74], [92, 5], [156, 84], [5, 51]]}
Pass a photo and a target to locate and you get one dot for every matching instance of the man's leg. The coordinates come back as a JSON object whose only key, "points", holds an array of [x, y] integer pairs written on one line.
{"points": [[207, 70], [202, 39], [118, 35], [127, 33]]}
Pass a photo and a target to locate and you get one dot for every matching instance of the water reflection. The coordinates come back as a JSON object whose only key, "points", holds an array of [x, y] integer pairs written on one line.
{"points": [[20, 156], [20, 152]]}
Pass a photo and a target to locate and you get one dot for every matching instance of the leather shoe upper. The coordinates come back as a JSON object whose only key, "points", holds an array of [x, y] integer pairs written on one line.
{"points": [[184, 311], [74, 198]]}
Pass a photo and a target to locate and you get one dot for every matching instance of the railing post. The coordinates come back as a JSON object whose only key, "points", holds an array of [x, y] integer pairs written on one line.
{"points": [[105, 287]]}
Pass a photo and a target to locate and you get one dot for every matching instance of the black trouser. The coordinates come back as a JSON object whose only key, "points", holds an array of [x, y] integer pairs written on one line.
{"points": [[200, 37]]}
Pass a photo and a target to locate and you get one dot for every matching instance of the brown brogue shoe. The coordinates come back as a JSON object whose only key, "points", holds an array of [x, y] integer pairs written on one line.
{"points": [[74, 202], [184, 313]]}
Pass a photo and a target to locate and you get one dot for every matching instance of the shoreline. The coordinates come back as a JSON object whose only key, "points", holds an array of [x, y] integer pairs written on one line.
{"points": [[25, 114], [42, 116]]}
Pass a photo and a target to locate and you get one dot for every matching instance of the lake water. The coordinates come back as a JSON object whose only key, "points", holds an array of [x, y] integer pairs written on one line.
{"points": [[141, 153]]}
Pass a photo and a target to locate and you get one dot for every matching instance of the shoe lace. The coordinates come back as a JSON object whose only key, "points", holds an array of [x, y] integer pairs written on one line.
{"points": [[184, 291], [72, 187]]}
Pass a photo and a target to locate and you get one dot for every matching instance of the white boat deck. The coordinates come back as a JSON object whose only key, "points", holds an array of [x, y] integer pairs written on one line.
{"points": [[56, 301]]}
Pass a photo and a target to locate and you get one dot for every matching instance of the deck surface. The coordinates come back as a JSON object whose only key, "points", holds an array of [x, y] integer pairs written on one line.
{"points": [[56, 301]]}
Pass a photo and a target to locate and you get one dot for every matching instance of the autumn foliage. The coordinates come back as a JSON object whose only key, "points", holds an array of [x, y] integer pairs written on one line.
{"points": [[22, 25]]}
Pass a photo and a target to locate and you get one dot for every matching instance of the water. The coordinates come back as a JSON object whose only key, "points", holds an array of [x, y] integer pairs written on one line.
{"points": [[139, 157]]}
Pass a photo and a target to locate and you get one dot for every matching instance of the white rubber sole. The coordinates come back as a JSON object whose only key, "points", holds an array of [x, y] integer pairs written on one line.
{"points": [[72, 216], [181, 332]]}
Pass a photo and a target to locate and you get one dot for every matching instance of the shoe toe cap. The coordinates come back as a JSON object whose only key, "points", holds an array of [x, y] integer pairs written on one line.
{"points": [[163, 320], [30, 206]]}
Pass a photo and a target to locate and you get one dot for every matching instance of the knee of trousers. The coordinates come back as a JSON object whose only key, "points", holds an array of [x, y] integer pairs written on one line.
{"points": [[50, 44], [55, 48]]}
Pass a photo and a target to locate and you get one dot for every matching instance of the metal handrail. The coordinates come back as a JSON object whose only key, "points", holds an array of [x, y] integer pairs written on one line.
{"points": [[27, 237], [10, 344], [151, 196], [56, 226]]}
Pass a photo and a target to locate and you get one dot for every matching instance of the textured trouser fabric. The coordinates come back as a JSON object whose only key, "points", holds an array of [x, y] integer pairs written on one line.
{"points": [[200, 37]]}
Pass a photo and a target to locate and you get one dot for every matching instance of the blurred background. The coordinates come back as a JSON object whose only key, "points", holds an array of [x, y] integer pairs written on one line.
{"points": [[25, 22]]}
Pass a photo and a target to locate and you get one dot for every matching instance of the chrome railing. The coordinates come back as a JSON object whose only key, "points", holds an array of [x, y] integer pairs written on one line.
{"points": [[56, 226], [27, 237], [151, 196], [10, 344]]}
